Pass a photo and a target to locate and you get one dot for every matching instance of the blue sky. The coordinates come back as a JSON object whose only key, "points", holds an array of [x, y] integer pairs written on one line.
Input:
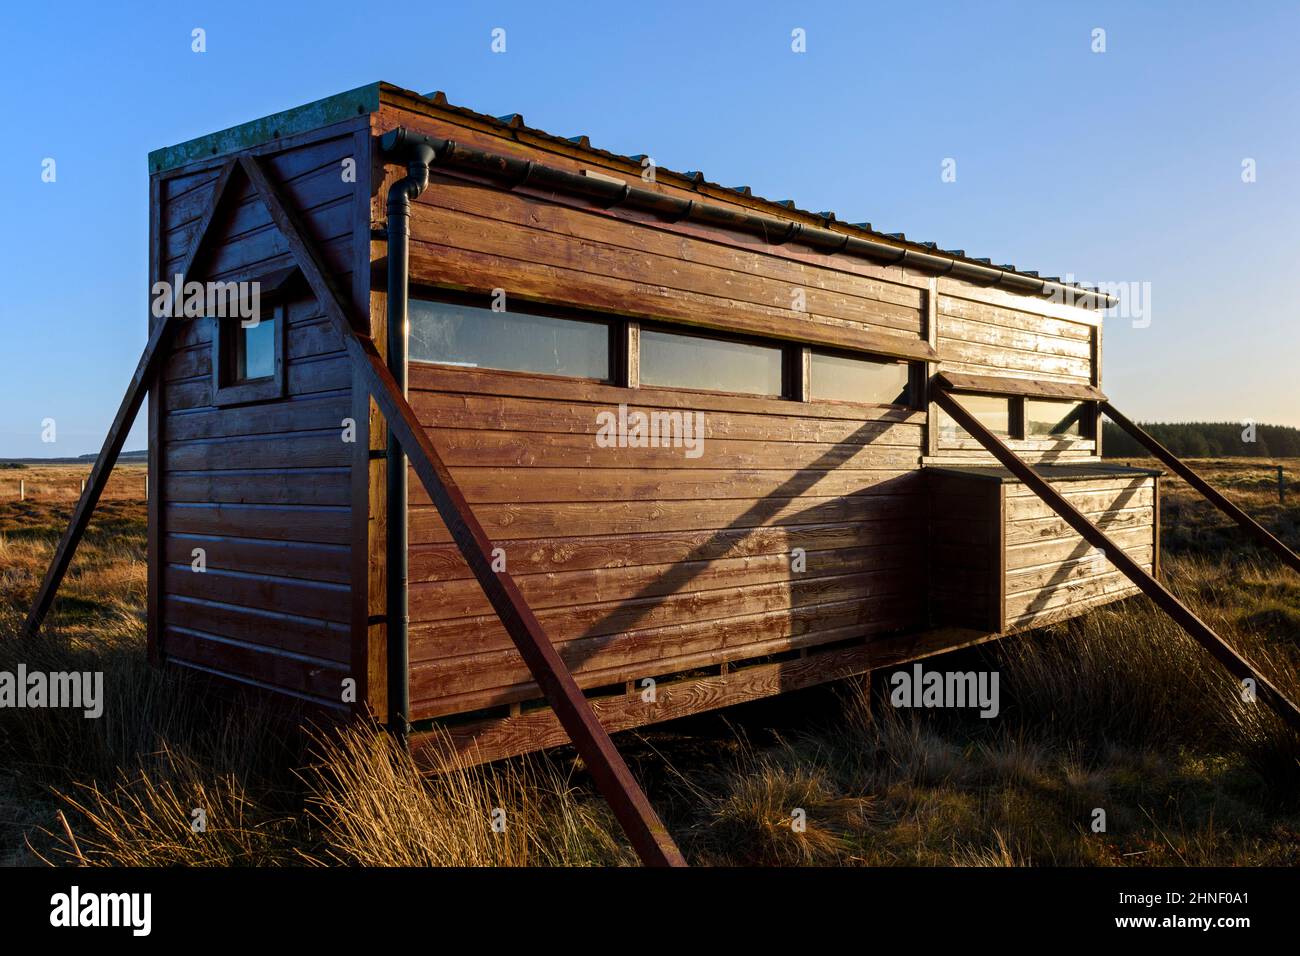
{"points": [[1122, 166]]}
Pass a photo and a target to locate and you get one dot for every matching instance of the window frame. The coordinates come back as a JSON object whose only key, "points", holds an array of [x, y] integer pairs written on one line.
{"points": [[226, 389], [915, 377], [625, 358], [694, 332], [616, 359], [1017, 420]]}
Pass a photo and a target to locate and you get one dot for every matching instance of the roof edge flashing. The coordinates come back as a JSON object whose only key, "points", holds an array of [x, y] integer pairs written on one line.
{"points": [[267, 129]]}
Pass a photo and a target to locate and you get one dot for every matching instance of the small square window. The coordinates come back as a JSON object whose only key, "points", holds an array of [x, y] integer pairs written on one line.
{"points": [[248, 358]]}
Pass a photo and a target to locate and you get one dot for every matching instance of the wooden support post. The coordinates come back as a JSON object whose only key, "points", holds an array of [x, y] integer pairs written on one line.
{"points": [[136, 390], [634, 812], [1264, 537], [1237, 665], [1281, 487], [22, 490]]}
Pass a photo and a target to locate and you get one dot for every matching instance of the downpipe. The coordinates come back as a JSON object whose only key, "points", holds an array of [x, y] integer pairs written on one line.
{"points": [[417, 156]]}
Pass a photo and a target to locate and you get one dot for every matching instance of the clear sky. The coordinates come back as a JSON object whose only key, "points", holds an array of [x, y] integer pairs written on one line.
{"points": [[1122, 166]]}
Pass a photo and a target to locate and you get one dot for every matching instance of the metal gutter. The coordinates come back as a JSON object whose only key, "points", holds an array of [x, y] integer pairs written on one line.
{"points": [[514, 173]]}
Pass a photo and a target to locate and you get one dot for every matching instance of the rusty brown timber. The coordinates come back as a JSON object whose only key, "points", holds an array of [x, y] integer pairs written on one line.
{"points": [[1237, 665]]}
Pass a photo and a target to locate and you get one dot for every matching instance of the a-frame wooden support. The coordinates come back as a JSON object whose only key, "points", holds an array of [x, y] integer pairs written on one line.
{"points": [[154, 352], [648, 835], [1180, 468], [646, 832], [1237, 665]]}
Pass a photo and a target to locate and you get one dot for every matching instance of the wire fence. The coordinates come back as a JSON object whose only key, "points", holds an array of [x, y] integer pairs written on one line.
{"points": [[49, 484]]}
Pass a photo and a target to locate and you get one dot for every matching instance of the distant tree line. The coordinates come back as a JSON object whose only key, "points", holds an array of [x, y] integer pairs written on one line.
{"points": [[1206, 440]]}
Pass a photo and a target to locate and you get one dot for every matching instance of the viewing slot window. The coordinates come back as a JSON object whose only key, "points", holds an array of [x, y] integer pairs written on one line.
{"points": [[836, 377], [1049, 419], [675, 360], [472, 337], [991, 411]]}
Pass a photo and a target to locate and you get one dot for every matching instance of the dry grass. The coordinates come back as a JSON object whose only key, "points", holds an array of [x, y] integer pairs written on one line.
{"points": [[1117, 710]]}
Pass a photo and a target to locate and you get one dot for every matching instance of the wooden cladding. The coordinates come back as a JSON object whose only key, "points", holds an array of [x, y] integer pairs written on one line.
{"points": [[999, 345], [1002, 560], [253, 536], [796, 525]]}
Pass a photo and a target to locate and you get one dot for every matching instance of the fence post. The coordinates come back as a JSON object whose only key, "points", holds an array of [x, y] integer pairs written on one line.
{"points": [[1281, 487], [22, 490]]}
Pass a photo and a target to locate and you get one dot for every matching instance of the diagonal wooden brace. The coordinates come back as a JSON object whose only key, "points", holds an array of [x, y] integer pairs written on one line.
{"points": [[154, 352], [1184, 472], [648, 835], [1237, 665]]}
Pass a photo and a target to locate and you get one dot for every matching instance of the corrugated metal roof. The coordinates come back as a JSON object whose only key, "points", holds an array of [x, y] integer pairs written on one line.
{"points": [[696, 178]]}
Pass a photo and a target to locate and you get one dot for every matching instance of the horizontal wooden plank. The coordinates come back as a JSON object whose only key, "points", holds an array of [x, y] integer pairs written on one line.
{"points": [[320, 449], [551, 485], [428, 377], [311, 413], [675, 451], [320, 600], [505, 522], [1021, 508], [311, 562], [1034, 340], [961, 382], [316, 524], [1033, 603], [1080, 605], [443, 562], [1041, 529], [287, 632], [1026, 318], [541, 417], [300, 486], [953, 293]]}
